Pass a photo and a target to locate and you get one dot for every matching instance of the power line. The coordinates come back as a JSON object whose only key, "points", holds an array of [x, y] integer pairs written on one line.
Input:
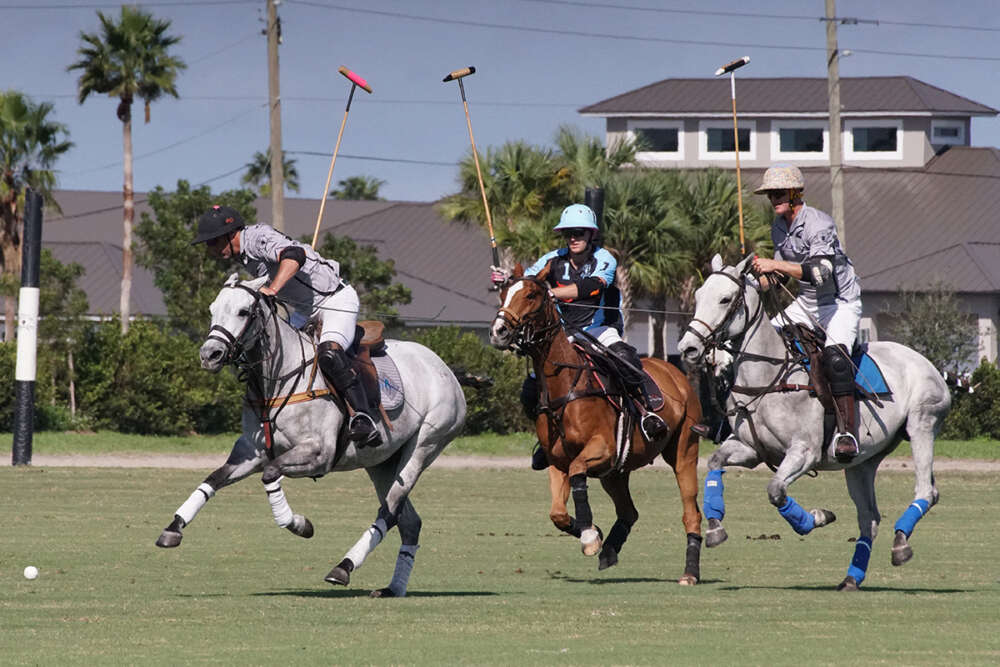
{"points": [[375, 159], [116, 5], [161, 149]]}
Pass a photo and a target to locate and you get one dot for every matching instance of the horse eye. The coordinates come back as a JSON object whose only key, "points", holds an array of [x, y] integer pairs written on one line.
{"points": [[244, 312], [727, 299]]}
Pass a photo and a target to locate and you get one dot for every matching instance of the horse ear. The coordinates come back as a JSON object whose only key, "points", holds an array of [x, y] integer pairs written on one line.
{"points": [[233, 278], [544, 273], [745, 266], [518, 271], [717, 263], [256, 283]]}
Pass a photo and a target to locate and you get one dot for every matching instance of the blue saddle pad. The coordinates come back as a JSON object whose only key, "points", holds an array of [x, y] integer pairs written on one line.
{"points": [[869, 377]]}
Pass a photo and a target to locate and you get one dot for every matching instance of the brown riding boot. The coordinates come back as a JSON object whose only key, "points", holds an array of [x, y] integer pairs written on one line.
{"points": [[846, 443]]}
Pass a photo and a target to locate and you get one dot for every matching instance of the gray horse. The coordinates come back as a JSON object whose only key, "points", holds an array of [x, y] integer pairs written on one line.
{"points": [[785, 429], [287, 431]]}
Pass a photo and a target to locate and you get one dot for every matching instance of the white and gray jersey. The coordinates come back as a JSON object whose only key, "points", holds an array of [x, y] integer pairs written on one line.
{"points": [[814, 234], [260, 251]]}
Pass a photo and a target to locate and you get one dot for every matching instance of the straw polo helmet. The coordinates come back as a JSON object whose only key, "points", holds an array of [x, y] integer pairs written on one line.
{"points": [[781, 177]]}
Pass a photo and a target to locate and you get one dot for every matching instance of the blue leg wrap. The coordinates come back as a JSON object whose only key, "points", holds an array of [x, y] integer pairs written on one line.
{"points": [[715, 504], [914, 513], [859, 564], [801, 521]]}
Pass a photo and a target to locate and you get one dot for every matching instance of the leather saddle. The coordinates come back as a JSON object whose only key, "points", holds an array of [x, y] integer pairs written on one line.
{"points": [[614, 377], [369, 341]]}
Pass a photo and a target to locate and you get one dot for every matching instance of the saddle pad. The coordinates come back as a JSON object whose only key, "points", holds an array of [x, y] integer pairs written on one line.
{"points": [[390, 383], [869, 376]]}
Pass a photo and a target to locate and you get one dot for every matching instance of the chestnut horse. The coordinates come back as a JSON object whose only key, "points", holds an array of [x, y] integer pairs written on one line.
{"points": [[577, 421]]}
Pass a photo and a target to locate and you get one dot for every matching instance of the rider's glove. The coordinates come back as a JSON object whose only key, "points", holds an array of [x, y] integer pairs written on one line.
{"points": [[499, 274]]}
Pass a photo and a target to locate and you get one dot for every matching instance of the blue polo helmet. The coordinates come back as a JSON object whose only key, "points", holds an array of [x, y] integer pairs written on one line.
{"points": [[577, 216]]}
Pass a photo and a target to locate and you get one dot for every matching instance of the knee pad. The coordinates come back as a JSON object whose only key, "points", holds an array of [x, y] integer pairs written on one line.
{"points": [[529, 397], [335, 365], [839, 370]]}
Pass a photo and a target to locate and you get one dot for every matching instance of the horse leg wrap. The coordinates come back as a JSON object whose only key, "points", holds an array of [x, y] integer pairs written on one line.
{"points": [[194, 503], [584, 516], [692, 557], [369, 540], [715, 504], [859, 564], [801, 521], [617, 536], [914, 513], [282, 512], [404, 565]]}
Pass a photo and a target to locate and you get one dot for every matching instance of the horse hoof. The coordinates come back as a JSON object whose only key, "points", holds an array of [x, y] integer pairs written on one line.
{"points": [[301, 526], [901, 551], [688, 580], [383, 593], [848, 584], [716, 534], [608, 558], [591, 541], [169, 539], [822, 517], [340, 575]]}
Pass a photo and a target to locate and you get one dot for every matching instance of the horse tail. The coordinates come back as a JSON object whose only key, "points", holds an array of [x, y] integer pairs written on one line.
{"points": [[467, 379]]}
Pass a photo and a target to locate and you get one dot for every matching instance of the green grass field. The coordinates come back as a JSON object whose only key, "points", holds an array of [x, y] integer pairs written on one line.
{"points": [[517, 444], [494, 583]]}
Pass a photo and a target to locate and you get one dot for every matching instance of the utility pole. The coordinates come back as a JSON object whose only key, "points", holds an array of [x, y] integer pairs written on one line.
{"points": [[833, 92], [274, 101]]}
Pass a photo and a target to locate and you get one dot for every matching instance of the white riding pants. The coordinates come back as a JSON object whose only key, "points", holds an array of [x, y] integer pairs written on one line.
{"points": [[840, 320], [607, 336], [339, 316]]}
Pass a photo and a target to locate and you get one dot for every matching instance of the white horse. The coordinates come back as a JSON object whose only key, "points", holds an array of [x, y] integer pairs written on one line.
{"points": [[785, 428], [287, 431]]}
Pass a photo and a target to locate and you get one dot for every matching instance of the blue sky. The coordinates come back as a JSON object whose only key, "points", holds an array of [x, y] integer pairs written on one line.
{"points": [[538, 61]]}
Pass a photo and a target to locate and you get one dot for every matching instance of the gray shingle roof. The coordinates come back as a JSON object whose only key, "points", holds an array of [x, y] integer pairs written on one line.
{"points": [[889, 94]]}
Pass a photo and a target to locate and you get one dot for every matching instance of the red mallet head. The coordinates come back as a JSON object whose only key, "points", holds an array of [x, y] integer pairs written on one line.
{"points": [[355, 79]]}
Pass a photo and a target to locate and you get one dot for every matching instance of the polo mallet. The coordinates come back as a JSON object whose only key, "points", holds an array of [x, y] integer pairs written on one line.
{"points": [[458, 75], [731, 68], [355, 82]]}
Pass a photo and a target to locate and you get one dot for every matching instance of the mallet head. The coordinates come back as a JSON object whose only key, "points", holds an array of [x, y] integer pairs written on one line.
{"points": [[735, 65], [459, 73], [355, 79]]}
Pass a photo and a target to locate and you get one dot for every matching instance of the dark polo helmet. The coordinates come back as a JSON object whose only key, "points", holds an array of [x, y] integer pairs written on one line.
{"points": [[218, 221]]}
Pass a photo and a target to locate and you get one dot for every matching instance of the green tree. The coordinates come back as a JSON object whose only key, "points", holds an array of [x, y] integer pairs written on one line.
{"points": [[370, 276], [127, 59], [358, 188], [62, 307], [30, 143], [931, 321], [188, 277], [258, 173]]}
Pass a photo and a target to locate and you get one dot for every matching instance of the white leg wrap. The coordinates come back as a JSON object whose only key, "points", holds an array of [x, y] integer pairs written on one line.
{"points": [[369, 540], [279, 504], [194, 503], [589, 536], [404, 565]]}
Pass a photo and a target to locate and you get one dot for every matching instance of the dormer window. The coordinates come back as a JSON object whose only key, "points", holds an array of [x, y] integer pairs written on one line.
{"points": [[948, 132], [716, 142], [869, 139], [660, 140], [799, 140]]}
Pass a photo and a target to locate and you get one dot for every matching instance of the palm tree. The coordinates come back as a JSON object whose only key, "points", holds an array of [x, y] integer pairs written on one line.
{"points": [[128, 59], [258, 173], [30, 142], [358, 188]]}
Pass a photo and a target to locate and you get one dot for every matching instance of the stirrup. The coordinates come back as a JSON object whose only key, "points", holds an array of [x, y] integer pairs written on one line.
{"points": [[702, 431], [653, 427], [845, 447], [362, 430]]}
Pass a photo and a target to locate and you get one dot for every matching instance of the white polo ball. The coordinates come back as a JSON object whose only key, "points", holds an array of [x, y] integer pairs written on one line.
{"points": [[30, 572]]}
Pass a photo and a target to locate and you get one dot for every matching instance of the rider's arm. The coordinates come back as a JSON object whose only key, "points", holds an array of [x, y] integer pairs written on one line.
{"points": [[292, 258]]}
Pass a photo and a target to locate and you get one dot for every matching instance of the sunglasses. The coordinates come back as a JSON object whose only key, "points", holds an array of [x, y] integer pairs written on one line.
{"points": [[574, 233]]}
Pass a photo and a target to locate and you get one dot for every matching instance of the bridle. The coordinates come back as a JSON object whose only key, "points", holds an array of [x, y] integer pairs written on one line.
{"points": [[716, 335], [253, 333], [535, 329]]}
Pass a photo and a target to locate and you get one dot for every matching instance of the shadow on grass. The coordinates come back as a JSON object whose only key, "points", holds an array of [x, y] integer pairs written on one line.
{"points": [[559, 576], [869, 589], [337, 593]]}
